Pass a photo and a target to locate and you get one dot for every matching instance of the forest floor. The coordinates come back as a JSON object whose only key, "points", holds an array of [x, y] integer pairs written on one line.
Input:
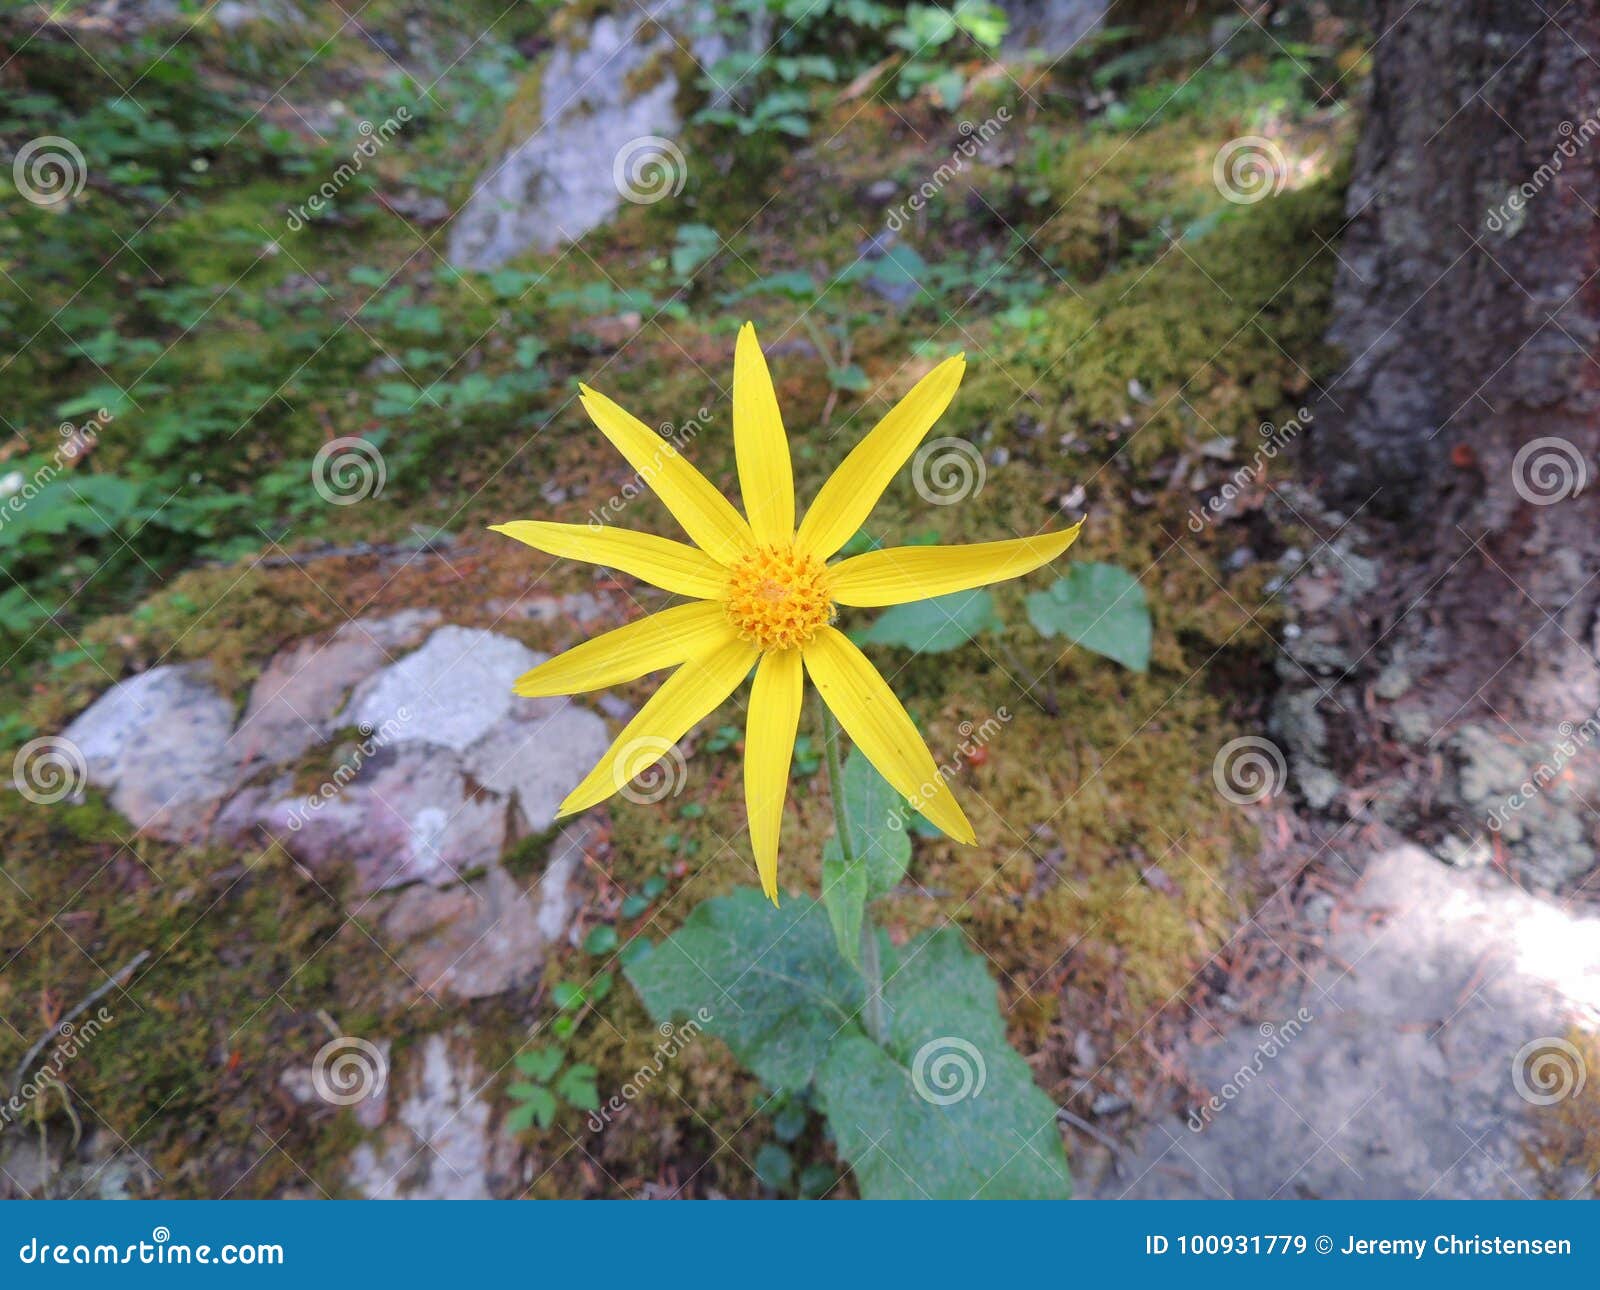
{"points": [[1131, 336]]}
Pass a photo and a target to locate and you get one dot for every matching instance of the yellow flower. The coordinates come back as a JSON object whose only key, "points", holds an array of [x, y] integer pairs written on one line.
{"points": [[765, 596]]}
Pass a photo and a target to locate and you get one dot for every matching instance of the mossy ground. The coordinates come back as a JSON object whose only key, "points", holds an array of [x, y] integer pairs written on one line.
{"points": [[1143, 318]]}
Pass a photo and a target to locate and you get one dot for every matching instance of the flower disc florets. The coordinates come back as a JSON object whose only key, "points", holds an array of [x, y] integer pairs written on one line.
{"points": [[779, 597]]}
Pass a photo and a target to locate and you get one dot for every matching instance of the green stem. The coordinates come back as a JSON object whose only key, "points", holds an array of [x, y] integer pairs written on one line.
{"points": [[871, 966]]}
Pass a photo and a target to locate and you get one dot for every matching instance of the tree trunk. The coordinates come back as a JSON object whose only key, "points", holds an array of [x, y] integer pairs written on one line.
{"points": [[1464, 437]]}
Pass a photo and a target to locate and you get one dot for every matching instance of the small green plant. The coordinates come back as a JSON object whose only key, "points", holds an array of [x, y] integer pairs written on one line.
{"points": [[541, 1093]]}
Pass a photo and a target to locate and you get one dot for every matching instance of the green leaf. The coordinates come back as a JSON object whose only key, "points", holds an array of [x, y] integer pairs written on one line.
{"points": [[576, 1087], [780, 995], [790, 1122], [774, 1166], [520, 1119], [877, 815], [844, 894], [947, 1110], [522, 1090], [696, 244], [602, 939], [536, 1105], [539, 1063], [936, 625], [1101, 607], [566, 994], [766, 981]]}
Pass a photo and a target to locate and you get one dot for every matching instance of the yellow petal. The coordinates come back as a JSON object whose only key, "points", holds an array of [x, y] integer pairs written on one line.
{"points": [[905, 573], [673, 566], [706, 515], [881, 729], [685, 697], [768, 744], [766, 480], [661, 640], [855, 487]]}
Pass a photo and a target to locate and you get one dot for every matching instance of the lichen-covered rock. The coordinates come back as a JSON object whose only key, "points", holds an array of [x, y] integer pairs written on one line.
{"points": [[486, 936], [159, 744], [1410, 1062], [604, 132], [440, 1143], [446, 767], [449, 693], [1050, 27], [296, 702]]}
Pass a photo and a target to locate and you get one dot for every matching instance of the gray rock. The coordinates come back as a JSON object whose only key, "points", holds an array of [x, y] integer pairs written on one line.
{"points": [[450, 767], [440, 1143], [409, 814], [450, 693], [488, 936], [1435, 1033], [538, 753], [295, 703], [591, 147], [158, 745], [1050, 27]]}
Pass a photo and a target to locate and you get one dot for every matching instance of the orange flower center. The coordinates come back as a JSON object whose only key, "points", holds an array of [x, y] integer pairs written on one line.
{"points": [[779, 597]]}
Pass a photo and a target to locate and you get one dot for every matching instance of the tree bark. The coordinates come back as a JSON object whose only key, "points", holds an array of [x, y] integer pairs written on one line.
{"points": [[1464, 432]]}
